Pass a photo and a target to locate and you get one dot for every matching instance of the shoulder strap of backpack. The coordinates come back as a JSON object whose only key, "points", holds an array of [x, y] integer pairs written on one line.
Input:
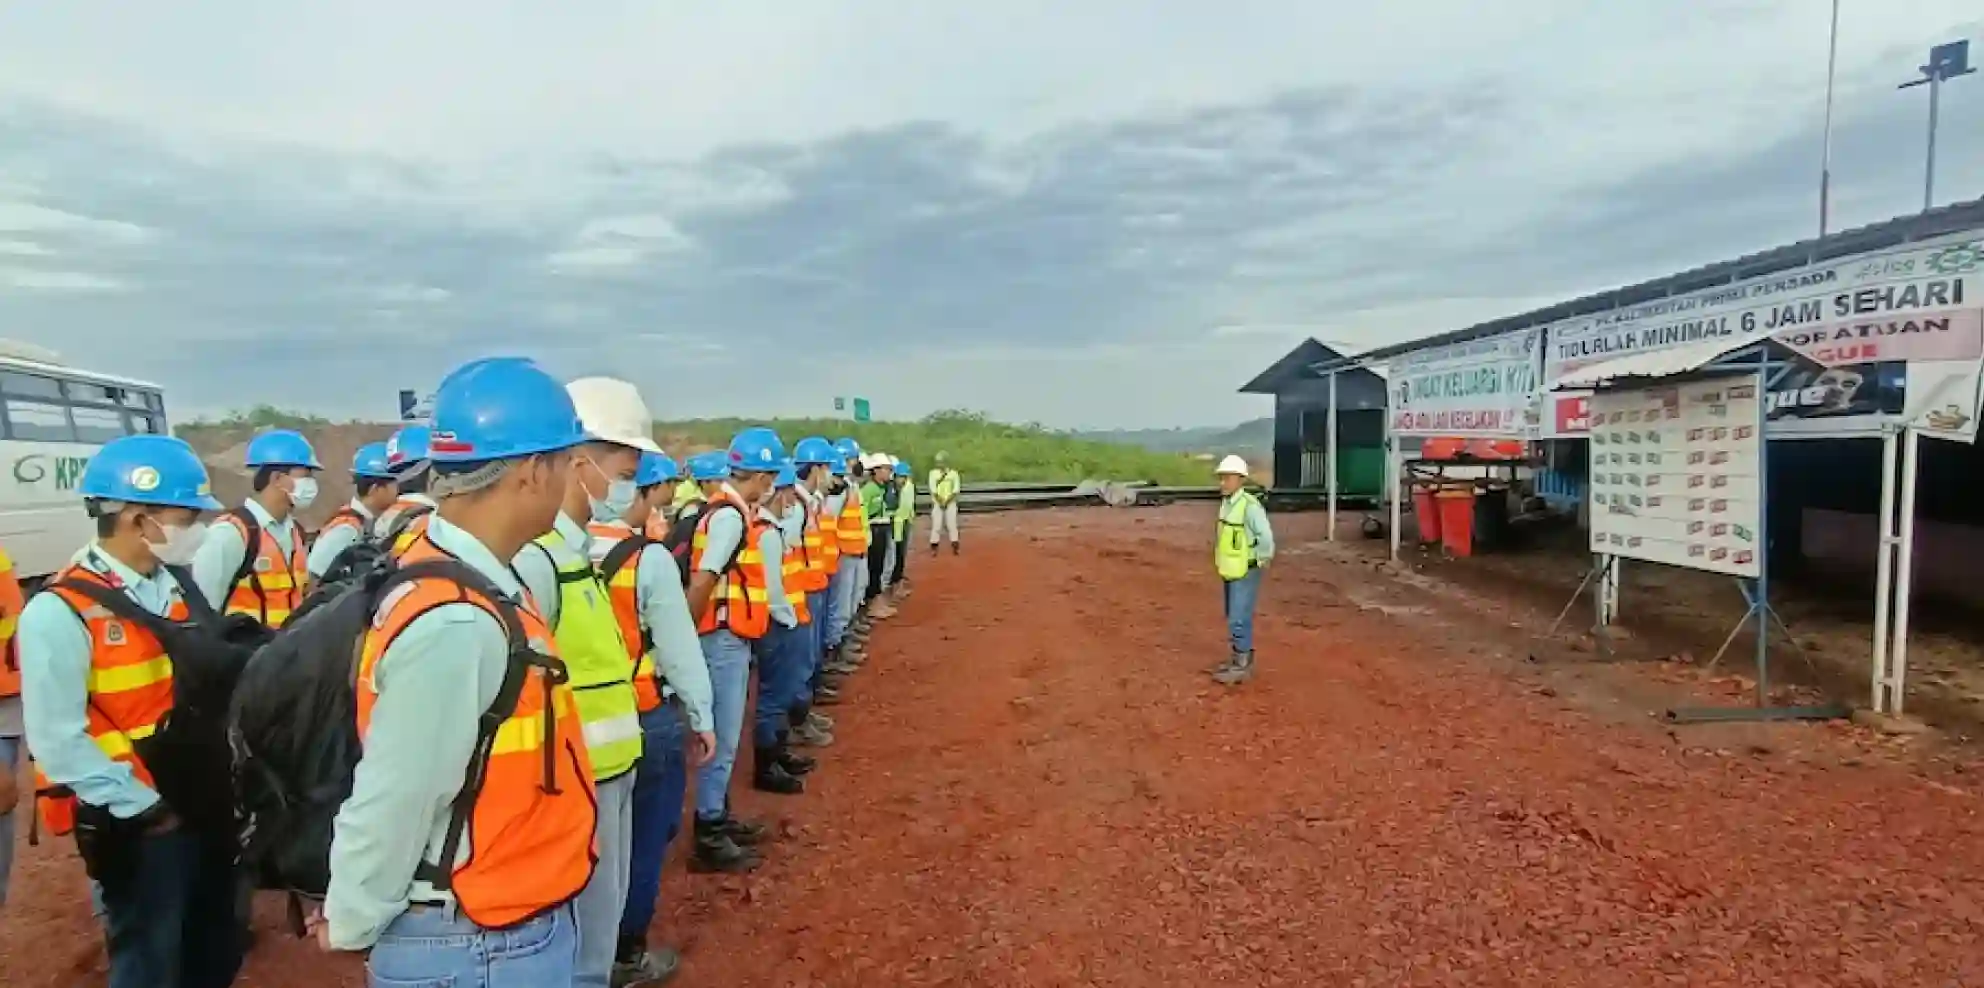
{"points": [[251, 543], [117, 602], [522, 658], [403, 521], [197, 604], [617, 557]]}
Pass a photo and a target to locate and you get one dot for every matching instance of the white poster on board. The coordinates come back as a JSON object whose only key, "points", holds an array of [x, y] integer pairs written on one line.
{"points": [[1881, 338], [1674, 475], [1480, 389]]}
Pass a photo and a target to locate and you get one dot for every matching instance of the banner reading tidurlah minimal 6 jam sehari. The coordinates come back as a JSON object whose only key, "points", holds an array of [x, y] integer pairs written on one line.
{"points": [[1486, 388], [1886, 337]]}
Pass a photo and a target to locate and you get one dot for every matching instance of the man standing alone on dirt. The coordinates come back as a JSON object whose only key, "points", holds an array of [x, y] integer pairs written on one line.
{"points": [[944, 487], [1244, 544]]}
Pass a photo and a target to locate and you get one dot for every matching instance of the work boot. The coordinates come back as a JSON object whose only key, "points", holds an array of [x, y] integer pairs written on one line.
{"points": [[838, 667], [1239, 672], [933, 550], [635, 965], [793, 762], [826, 696], [819, 721], [769, 775], [883, 609], [716, 852], [1224, 664], [957, 548], [831, 681], [809, 736], [744, 832]]}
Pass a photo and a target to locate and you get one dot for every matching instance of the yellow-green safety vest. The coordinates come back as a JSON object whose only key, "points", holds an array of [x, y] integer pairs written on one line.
{"points": [[1233, 550], [601, 671], [905, 509]]}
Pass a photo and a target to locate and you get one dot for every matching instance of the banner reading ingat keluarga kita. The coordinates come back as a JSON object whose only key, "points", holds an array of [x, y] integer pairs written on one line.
{"points": [[1486, 388], [1892, 336]]}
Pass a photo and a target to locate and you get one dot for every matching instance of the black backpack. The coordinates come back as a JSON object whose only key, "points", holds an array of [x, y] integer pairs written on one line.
{"points": [[681, 539], [188, 754], [363, 556], [294, 729]]}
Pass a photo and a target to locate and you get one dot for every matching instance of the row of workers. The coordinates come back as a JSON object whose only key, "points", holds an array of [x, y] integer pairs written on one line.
{"points": [[545, 871]]}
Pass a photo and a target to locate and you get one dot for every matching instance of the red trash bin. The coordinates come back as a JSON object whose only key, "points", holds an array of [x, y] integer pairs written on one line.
{"points": [[1427, 514], [1457, 520]]}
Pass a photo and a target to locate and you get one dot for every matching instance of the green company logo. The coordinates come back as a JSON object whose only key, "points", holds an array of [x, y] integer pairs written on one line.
{"points": [[1958, 259], [36, 467]]}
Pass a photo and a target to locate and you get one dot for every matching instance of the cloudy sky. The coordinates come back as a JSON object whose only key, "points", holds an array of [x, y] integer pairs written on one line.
{"points": [[1100, 213]]}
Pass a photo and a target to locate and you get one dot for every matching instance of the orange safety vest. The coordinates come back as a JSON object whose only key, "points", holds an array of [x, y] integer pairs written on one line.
{"points": [[853, 530], [274, 585], [623, 591], [129, 689], [827, 532], [792, 576], [346, 518], [11, 604], [741, 601], [529, 833], [812, 552]]}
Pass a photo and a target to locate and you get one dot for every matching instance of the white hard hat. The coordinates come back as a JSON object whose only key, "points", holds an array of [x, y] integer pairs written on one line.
{"points": [[875, 461], [1233, 465], [612, 411]]}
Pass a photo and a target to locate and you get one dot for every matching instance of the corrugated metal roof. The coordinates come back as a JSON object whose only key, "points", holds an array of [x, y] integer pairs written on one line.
{"points": [[1955, 218], [1656, 364]]}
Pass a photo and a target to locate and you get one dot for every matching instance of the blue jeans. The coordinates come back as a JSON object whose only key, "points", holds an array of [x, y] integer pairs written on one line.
{"points": [[1241, 594], [10, 761], [783, 675], [661, 780], [597, 910], [433, 947], [729, 661], [816, 646], [847, 586], [170, 922]]}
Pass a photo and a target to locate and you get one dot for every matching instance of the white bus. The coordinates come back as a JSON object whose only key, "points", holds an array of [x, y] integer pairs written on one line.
{"points": [[52, 418]]}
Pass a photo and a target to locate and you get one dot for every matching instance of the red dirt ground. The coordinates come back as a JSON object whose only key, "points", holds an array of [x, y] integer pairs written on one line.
{"points": [[1036, 785]]}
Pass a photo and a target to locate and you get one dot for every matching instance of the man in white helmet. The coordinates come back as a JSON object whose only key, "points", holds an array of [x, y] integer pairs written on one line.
{"points": [[1243, 546]]}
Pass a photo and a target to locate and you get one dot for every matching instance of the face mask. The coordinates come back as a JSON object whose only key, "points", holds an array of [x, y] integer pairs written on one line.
{"points": [[303, 493], [182, 543], [619, 499]]}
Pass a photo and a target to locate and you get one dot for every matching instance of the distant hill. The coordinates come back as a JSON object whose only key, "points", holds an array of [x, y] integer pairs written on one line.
{"points": [[1255, 436]]}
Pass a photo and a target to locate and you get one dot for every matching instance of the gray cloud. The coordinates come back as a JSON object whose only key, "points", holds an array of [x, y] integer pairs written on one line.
{"points": [[1117, 271]]}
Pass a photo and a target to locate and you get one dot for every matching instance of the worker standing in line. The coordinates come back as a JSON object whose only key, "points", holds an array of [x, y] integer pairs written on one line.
{"points": [[407, 458], [905, 522], [373, 492], [489, 903], [98, 689], [558, 570], [814, 460], [671, 686], [1241, 552], [945, 485], [658, 497], [781, 653], [11, 722], [264, 578], [730, 593], [850, 612], [687, 494], [878, 502], [707, 471]]}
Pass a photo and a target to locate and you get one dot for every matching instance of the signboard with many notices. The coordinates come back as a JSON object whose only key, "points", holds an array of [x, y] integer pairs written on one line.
{"points": [[1674, 475], [1880, 338]]}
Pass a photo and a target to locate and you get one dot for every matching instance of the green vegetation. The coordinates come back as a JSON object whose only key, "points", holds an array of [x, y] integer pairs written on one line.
{"points": [[982, 450]]}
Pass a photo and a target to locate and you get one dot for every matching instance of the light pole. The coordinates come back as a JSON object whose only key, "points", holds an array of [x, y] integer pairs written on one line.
{"points": [[1946, 62], [1825, 160]]}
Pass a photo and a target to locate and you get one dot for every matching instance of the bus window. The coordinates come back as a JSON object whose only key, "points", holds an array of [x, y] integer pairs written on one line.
{"points": [[142, 423], [97, 425], [38, 421], [30, 385], [94, 394]]}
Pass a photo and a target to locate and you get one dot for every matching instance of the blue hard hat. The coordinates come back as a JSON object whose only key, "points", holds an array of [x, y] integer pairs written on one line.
{"points": [[814, 449], [839, 468], [787, 476], [757, 449], [281, 448], [713, 465], [655, 468], [408, 447], [902, 468], [370, 462], [847, 448], [160, 470], [500, 408]]}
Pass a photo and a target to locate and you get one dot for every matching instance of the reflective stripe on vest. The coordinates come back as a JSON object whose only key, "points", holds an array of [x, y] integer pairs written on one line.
{"points": [[741, 600], [128, 689], [792, 576], [624, 592], [1233, 548], [601, 667], [853, 524], [528, 847], [827, 530], [813, 574], [274, 585]]}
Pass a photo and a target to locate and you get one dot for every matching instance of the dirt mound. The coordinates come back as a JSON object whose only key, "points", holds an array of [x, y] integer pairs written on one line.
{"points": [[223, 449]]}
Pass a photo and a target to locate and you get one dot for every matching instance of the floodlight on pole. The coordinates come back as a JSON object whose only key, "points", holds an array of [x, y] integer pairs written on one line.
{"points": [[1946, 62]]}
